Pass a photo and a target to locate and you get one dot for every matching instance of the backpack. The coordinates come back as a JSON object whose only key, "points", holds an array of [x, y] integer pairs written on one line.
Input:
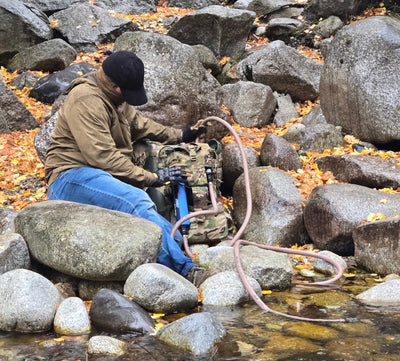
{"points": [[197, 158]]}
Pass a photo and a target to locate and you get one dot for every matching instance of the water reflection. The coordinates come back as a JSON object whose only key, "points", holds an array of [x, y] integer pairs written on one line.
{"points": [[369, 334]]}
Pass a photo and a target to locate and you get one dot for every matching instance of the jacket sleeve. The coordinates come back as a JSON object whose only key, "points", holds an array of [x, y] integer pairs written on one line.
{"points": [[91, 131], [145, 128]]}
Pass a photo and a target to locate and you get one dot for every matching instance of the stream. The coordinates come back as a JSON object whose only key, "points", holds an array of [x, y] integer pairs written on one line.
{"points": [[368, 334]]}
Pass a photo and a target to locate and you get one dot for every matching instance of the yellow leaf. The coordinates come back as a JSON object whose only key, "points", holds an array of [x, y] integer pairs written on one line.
{"points": [[15, 162], [266, 292], [383, 201]]}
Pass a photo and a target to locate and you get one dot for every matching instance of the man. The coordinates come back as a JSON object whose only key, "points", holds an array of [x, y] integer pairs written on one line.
{"points": [[90, 156]]}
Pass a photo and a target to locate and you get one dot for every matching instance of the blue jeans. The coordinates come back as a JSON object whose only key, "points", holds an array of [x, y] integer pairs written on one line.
{"points": [[99, 188]]}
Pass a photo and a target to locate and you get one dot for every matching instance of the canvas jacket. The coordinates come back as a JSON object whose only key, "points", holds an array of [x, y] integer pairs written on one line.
{"points": [[90, 131]]}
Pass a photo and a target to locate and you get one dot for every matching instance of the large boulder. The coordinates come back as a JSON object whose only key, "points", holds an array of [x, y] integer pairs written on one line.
{"points": [[221, 29], [261, 7], [334, 211], [49, 6], [284, 69], [86, 241], [179, 89], [84, 26], [13, 114], [360, 78], [192, 4], [317, 9], [129, 7], [277, 217], [21, 26]]}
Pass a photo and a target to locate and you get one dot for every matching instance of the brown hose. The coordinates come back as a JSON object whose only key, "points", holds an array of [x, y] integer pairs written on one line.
{"points": [[236, 241]]}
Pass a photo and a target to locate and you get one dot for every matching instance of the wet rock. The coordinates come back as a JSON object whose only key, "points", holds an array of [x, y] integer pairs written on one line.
{"points": [[284, 343], [347, 99], [48, 88], [214, 289], [84, 26], [277, 152], [72, 318], [21, 26], [272, 270], [365, 170], [383, 294], [196, 333], [232, 166], [252, 104], [51, 55], [13, 114], [86, 241], [310, 331], [221, 29], [14, 253], [159, 289], [28, 301], [113, 312], [106, 345], [327, 268], [277, 217], [353, 348], [330, 299], [286, 109], [88, 289], [7, 216], [334, 211], [284, 69], [356, 329]]}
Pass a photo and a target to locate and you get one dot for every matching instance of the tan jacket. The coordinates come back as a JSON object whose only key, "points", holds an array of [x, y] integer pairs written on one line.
{"points": [[91, 132]]}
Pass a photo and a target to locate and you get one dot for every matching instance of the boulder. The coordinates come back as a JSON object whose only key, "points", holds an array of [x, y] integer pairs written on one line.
{"points": [[42, 137], [21, 26], [13, 114], [129, 7], [334, 211], [100, 345], [192, 4], [284, 69], [366, 170], [14, 253], [277, 217], [84, 26], [324, 8], [49, 6], [88, 289], [251, 104], [179, 89], [207, 58], [26, 79], [261, 7], [384, 294], [48, 56], [221, 29], [359, 69], [86, 241], [282, 29], [72, 318], [286, 109], [7, 216]]}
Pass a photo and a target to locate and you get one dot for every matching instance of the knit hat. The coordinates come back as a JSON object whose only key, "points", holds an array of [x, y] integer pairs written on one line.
{"points": [[126, 70]]}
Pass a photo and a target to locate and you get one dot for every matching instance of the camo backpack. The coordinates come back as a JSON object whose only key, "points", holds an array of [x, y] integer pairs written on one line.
{"points": [[197, 158]]}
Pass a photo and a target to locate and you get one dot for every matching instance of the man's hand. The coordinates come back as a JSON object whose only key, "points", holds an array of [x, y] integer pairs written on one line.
{"points": [[170, 174], [194, 132]]}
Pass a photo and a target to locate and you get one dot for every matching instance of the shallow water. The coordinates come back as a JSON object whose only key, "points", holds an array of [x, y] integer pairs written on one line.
{"points": [[368, 334]]}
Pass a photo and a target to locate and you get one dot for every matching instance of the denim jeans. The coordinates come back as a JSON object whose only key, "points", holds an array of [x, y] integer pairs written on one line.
{"points": [[97, 187]]}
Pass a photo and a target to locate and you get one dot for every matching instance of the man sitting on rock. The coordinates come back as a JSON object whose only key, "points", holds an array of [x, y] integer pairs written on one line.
{"points": [[90, 157]]}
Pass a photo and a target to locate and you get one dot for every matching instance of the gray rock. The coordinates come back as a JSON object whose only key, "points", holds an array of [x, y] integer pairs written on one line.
{"points": [[282, 28], [48, 56], [207, 58], [42, 137], [272, 270], [192, 4], [86, 241], [106, 345], [214, 289], [277, 217], [314, 117], [84, 26], [26, 79], [72, 318], [252, 104], [359, 69], [325, 8], [376, 246], [14, 253], [384, 294], [113, 312], [129, 7], [286, 109], [284, 69], [260, 6], [221, 29], [14, 115], [277, 152], [88, 289], [158, 289], [179, 89], [196, 333], [21, 26], [49, 6], [329, 26], [327, 268], [232, 166], [28, 301], [7, 216], [366, 170], [334, 211]]}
